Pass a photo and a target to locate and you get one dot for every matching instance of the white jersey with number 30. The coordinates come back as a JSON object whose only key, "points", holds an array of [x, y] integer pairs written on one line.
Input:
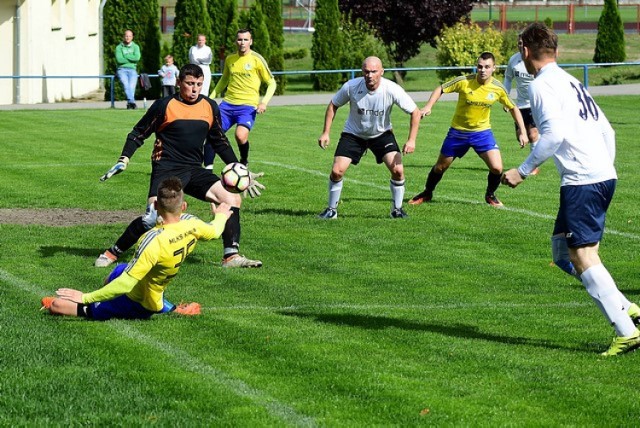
{"points": [[572, 129]]}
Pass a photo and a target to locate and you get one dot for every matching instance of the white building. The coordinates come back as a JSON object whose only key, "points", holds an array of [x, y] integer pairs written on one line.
{"points": [[49, 38]]}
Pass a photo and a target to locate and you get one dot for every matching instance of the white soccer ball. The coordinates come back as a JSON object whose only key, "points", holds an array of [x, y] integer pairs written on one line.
{"points": [[235, 177]]}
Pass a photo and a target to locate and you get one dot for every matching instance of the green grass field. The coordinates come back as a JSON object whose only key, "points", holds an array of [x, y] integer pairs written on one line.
{"points": [[454, 317]]}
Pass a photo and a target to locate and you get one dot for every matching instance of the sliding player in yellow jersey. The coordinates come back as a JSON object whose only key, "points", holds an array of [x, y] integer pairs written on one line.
{"points": [[471, 126], [138, 292]]}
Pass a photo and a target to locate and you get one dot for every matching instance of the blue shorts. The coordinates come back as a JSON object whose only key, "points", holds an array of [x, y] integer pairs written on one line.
{"points": [[582, 212], [457, 143], [241, 115], [122, 306]]}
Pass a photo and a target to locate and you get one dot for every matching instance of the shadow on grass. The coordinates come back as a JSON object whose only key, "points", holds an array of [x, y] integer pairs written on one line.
{"points": [[464, 331], [54, 250]]}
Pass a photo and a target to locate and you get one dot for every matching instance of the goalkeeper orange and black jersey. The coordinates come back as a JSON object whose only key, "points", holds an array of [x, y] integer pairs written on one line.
{"points": [[181, 130]]}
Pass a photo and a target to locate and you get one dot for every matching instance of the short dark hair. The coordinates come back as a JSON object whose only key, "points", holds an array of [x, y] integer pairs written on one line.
{"points": [[243, 30], [170, 195], [191, 70], [540, 40], [487, 55]]}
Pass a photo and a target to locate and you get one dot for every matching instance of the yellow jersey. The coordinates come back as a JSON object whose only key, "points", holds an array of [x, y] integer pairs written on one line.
{"points": [[160, 253], [242, 76], [473, 111]]}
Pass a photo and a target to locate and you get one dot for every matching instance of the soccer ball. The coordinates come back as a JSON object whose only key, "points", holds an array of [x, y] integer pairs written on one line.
{"points": [[235, 177]]}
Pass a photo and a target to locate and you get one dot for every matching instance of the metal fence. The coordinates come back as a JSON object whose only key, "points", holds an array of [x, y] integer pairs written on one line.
{"points": [[352, 72]]}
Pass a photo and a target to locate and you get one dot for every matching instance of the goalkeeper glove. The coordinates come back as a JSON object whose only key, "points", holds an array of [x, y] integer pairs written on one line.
{"points": [[120, 166], [254, 186]]}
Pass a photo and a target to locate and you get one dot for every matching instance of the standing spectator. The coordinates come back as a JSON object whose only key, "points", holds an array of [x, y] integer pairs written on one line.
{"points": [[576, 133], [368, 127], [182, 124], [169, 72], [242, 76], [471, 126], [138, 292], [517, 72], [127, 57], [201, 55]]}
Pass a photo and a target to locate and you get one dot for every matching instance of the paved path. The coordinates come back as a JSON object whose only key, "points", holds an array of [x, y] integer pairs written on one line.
{"points": [[307, 99]]}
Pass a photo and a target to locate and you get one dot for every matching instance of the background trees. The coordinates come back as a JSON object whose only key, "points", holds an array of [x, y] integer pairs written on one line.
{"points": [[327, 44], [404, 26], [273, 10], [142, 18], [610, 39], [224, 24], [192, 18]]}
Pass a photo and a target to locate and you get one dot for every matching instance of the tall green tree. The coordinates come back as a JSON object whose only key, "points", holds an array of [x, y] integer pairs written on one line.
{"points": [[610, 38], [259, 32], [224, 24], [275, 25], [191, 18], [142, 18], [404, 26], [326, 45]]}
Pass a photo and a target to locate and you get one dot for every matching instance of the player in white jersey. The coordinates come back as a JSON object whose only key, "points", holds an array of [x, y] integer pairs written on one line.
{"points": [[517, 72], [576, 133], [368, 127]]}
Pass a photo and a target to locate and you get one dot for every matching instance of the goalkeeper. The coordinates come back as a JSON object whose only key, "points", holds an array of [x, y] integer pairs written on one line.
{"points": [[181, 123]]}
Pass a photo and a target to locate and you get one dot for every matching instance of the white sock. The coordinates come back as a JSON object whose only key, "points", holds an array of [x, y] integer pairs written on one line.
{"points": [[605, 294], [335, 189], [397, 193]]}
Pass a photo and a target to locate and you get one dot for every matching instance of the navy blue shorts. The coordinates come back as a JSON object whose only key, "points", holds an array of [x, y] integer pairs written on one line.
{"points": [[582, 212], [457, 143], [241, 115], [527, 118], [121, 307], [353, 147]]}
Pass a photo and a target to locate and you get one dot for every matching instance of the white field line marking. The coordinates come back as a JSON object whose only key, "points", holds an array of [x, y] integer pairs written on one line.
{"points": [[238, 387], [466, 201], [188, 362]]}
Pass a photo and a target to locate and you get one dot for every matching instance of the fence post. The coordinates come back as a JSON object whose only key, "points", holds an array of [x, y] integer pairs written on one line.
{"points": [[113, 82], [503, 17], [570, 18], [585, 75]]}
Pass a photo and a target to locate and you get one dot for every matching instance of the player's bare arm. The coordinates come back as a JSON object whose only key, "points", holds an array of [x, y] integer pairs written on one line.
{"points": [[410, 145], [523, 138], [323, 141], [435, 96]]}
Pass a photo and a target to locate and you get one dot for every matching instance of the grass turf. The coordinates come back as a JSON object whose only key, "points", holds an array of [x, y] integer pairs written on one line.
{"points": [[452, 317]]}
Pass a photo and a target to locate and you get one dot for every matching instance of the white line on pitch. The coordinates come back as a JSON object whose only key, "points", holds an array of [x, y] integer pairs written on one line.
{"points": [[236, 386], [446, 198]]}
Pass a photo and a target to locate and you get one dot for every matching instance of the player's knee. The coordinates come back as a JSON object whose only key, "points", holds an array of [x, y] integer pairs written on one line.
{"points": [[232, 199], [336, 174]]}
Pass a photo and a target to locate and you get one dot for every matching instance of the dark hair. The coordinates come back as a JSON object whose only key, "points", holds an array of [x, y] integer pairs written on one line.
{"points": [[243, 30], [191, 70], [170, 195], [540, 40], [487, 55]]}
